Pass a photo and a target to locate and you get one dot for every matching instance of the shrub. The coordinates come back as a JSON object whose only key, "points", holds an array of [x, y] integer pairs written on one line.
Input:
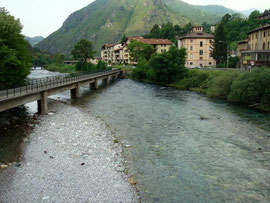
{"points": [[101, 65], [140, 72], [252, 88], [85, 67], [168, 66], [220, 86]]}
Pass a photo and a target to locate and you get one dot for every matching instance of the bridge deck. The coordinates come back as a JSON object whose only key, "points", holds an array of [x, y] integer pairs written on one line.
{"points": [[52, 85]]}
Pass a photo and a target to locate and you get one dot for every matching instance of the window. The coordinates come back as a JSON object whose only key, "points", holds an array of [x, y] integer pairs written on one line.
{"points": [[268, 45], [256, 36], [191, 41], [255, 46], [191, 48], [210, 55], [201, 44], [201, 52], [264, 34], [210, 63], [191, 63], [201, 58], [210, 41], [191, 56], [263, 46]]}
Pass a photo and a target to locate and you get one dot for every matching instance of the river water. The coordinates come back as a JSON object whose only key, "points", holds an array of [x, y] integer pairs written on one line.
{"points": [[186, 147], [182, 146]]}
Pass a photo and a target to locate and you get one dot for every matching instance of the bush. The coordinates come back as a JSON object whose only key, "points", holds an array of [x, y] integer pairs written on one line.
{"points": [[101, 65], [198, 79], [140, 72], [168, 66], [221, 85], [85, 67], [252, 88]]}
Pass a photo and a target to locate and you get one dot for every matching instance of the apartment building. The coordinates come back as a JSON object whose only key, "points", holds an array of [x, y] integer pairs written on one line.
{"points": [[199, 46], [258, 48], [119, 54], [265, 15]]}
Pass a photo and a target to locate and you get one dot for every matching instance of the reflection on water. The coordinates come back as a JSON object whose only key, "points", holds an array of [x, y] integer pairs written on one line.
{"points": [[186, 147]]}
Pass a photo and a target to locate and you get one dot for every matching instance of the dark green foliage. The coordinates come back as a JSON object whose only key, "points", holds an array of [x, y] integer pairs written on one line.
{"points": [[82, 51], [168, 31], [168, 66], [59, 58], [101, 65], [85, 67], [220, 45], [140, 51], [233, 62], [61, 68], [124, 39], [252, 88], [140, 72], [14, 54], [220, 86]]}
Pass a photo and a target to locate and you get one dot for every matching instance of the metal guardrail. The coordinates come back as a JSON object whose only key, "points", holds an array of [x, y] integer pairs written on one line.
{"points": [[36, 85]]}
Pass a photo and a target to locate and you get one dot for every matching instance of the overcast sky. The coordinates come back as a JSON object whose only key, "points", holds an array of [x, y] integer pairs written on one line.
{"points": [[42, 17]]}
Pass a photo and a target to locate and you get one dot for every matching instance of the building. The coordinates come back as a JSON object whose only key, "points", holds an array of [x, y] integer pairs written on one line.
{"points": [[94, 60], [242, 46], [160, 45], [199, 46], [265, 15], [119, 54], [258, 49]]}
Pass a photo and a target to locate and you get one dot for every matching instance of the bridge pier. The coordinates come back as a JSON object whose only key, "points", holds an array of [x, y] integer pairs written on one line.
{"points": [[75, 93], [43, 103], [94, 85]]}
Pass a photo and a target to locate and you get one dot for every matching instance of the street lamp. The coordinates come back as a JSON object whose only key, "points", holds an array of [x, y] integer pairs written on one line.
{"points": [[227, 52]]}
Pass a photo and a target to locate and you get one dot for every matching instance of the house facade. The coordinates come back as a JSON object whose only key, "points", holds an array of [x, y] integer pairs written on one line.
{"points": [[258, 48], [199, 46], [119, 53]]}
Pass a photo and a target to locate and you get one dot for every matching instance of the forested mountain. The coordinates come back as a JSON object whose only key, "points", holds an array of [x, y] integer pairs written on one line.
{"points": [[106, 21], [34, 40]]}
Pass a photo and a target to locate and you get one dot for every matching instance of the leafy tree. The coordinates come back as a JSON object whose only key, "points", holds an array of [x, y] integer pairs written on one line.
{"points": [[59, 58], [15, 61], [139, 50], [124, 39], [220, 45], [168, 66], [82, 51], [101, 65]]}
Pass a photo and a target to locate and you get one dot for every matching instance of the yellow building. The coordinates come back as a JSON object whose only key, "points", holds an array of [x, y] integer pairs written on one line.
{"points": [[258, 49], [242, 46], [199, 46], [119, 54]]}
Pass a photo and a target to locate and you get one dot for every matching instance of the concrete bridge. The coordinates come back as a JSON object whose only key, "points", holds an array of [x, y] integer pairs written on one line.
{"points": [[39, 89]]}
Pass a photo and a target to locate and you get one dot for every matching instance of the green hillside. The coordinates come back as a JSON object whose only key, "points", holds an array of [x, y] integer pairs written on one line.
{"points": [[34, 40], [105, 21]]}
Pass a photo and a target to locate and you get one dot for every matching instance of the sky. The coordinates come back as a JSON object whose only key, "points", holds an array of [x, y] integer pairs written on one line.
{"points": [[43, 17]]}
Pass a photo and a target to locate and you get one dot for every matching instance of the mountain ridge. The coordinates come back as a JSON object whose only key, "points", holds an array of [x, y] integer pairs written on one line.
{"points": [[105, 21]]}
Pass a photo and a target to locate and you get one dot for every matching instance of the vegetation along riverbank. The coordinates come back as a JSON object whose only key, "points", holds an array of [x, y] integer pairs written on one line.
{"points": [[168, 68]]}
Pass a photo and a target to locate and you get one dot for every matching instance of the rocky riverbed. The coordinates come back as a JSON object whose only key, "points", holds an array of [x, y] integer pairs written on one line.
{"points": [[70, 156]]}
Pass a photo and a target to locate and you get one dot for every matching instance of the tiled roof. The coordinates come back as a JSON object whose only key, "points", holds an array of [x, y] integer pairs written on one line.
{"points": [[197, 35], [108, 45], [260, 28], [152, 41]]}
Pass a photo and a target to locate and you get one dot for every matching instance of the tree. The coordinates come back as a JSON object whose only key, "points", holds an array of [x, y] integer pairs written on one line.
{"points": [[124, 39], [168, 66], [83, 51], [220, 45], [15, 61], [59, 58], [139, 50]]}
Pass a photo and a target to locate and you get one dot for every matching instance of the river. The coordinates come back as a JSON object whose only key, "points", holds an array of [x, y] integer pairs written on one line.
{"points": [[183, 146]]}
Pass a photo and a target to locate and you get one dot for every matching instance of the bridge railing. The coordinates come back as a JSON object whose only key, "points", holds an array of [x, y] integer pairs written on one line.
{"points": [[35, 85]]}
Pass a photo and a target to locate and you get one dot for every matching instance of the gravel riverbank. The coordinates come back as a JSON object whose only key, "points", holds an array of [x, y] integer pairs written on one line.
{"points": [[69, 157]]}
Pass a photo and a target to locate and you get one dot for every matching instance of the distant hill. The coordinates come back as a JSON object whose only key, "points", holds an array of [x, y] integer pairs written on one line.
{"points": [[34, 40], [247, 12], [106, 21]]}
